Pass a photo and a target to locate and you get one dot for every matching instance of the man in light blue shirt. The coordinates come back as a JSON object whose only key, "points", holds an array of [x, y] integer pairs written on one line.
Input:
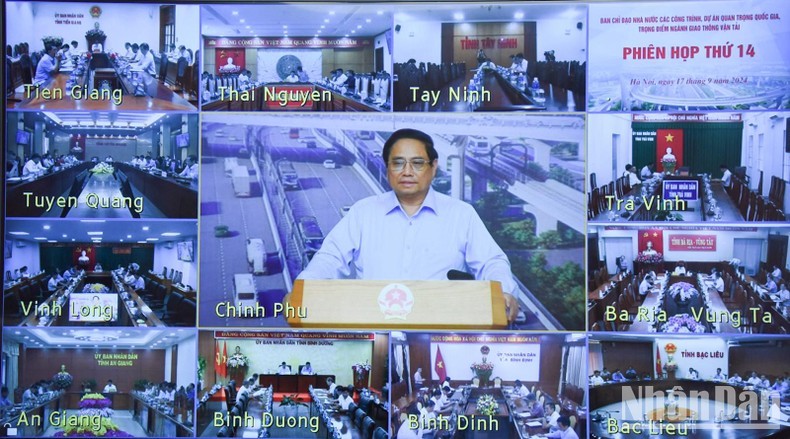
{"points": [[412, 232]]}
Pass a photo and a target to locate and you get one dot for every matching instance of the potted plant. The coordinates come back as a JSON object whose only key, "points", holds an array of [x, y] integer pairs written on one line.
{"points": [[52, 41], [201, 370], [291, 403]]}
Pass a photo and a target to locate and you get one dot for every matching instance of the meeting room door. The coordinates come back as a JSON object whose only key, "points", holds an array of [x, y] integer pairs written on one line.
{"points": [[777, 251], [379, 60]]}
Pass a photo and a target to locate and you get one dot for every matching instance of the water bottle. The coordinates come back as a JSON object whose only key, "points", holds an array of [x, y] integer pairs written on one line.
{"points": [[535, 84]]}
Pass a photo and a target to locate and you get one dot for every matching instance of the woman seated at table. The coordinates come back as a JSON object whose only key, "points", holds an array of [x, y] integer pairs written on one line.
{"points": [[680, 269]]}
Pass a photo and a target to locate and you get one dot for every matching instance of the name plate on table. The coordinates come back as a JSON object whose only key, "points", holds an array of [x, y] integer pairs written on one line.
{"points": [[398, 304], [686, 190]]}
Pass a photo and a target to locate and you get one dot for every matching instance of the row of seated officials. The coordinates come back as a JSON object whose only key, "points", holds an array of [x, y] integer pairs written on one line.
{"points": [[361, 416], [237, 403]]}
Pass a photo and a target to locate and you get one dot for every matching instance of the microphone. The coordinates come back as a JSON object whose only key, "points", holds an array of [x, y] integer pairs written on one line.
{"points": [[459, 275]]}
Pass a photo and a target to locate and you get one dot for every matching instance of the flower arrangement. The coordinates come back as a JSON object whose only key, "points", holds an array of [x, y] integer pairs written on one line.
{"points": [[52, 41], [93, 406], [361, 366], [62, 380], [487, 405], [669, 160], [682, 323], [102, 168], [683, 291], [482, 367], [95, 289], [95, 34], [650, 258], [238, 360]]}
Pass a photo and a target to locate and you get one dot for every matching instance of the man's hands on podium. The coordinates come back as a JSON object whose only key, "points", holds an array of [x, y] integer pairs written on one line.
{"points": [[511, 307]]}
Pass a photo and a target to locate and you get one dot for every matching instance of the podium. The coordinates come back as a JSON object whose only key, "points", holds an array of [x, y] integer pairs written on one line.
{"points": [[398, 304]]}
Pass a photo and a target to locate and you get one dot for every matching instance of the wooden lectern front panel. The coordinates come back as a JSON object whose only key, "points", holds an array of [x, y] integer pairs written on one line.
{"points": [[381, 304]]}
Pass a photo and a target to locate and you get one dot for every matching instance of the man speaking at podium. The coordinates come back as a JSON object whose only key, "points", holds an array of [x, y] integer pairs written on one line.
{"points": [[412, 232]]}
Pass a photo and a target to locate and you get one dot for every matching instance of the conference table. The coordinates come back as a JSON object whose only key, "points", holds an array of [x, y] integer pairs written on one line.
{"points": [[337, 101], [504, 95], [54, 184], [607, 401], [128, 315], [174, 197], [160, 420], [292, 383], [158, 96], [698, 210]]}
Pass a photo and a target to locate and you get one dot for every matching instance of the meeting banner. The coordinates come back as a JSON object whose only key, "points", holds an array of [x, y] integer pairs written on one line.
{"points": [[689, 56]]}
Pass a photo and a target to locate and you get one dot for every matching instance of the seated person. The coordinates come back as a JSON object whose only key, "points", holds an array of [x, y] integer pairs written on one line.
{"points": [[129, 54], [630, 173], [631, 374], [534, 406], [307, 369], [411, 430], [439, 402], [427, 419], [23, 273], [647, 377], [646, 285], [418, 379], [292, 77], [564, 430], [30, 394], [4, 401], [254, 378], [139, 283], [345, 398], [331, 386], [110, 387], [244, 78], [190, 169], [488, 64], [783, 294], [246, 385], [693, 374], [97, 267], [606, 375], [34, 165], [754, 380], [48, 66], [719, 376], [735, 379], [284, 369], [551, 416], [618, 377], [446, 383], [520, 389], [680, 269], [770, 285], [303, 77], [596, 379]]}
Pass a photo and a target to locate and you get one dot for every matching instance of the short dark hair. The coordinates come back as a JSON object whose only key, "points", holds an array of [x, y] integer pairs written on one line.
{"points": [[409, 133], [723, 166], [564, 420], [135, 46], [144, 46], [430, 403]]}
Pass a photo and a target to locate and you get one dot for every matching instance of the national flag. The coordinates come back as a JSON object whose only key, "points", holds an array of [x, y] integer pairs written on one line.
{"points": [[217, 359], [438, 366], [225, 359], [669, 138], [659, 369]]}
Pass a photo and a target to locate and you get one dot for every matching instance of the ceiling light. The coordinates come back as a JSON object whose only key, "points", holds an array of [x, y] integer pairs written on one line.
{"points": [[241, 20], [72, 239], [285, 26], [65, 235], [323, 26], [315, 36], [95, 233], [353, 31], [379, 12], [318, 31], [142, 242], [145, 228], [152, 239], [359, 26], [92, 221], [128, 236], [346, 35], [235, 12], [40, 238], [247, 26], [46, 227], [51, 240], [518, 15], [18, 233], [458, 16], [326, 20], [331, 12], [367, 20]]}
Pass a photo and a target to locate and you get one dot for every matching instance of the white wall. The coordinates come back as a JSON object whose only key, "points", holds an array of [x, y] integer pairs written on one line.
{"points": [[561, 36], [188, 26], [600, 131], [121, 22], [771, 157], [168, 257], [420, 40], [28, 255], [380, 40], [716, 348], [186, 362], [724, 243]]}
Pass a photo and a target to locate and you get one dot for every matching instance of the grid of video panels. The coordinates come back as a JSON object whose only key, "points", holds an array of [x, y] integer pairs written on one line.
{"points": [[367, 220]]}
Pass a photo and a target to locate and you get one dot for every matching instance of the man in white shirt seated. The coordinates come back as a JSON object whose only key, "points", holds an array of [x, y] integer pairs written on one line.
{"points": [[191, 168], [332, 386], [680, 269], [48, 66], [411, 429], [139, 283], [630, 172], [719, 376], [307, 369], [551, 416], [647, 171], [344, 399], [428, 419], [65, 55], [182, 53], [754, 380], [110, 387], [726, 177], [520, 390], [33, 166], [446, 383], [735, 379], [646, 285], [783, 294], [129, 54], [97, 47], [52, 285], [596, 379], [30, 394], [129, 278], [418, 379], [23, 273], [776, 273], [146, 62], [136, 55], [770, 285], [284, 369], [243, 390], [693, 374], [719, 283], [341, 79], [292, 77], [564, 430]]}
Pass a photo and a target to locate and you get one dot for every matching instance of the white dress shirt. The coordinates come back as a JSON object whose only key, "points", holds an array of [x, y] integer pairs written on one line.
{"points": [[383, 242], [147, 63], [31, 167]]}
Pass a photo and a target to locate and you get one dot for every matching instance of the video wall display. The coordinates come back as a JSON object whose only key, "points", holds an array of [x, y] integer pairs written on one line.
{"points": [[366, 220]]}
